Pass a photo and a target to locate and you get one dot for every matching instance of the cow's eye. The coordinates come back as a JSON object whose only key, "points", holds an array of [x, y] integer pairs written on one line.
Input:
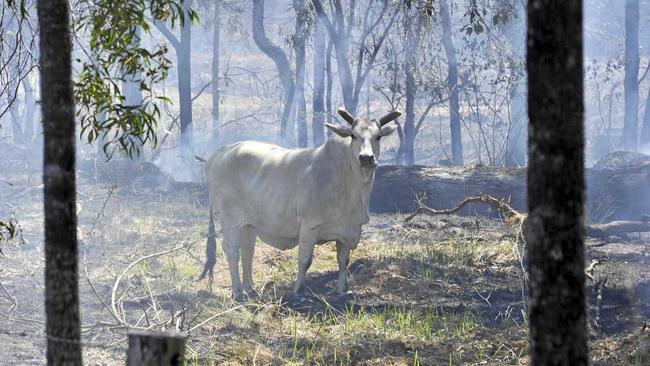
{"points": [[353, 137], [378, 138]]}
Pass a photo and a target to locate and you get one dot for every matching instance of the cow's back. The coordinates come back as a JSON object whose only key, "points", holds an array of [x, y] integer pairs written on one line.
{"points": [[259, 184]]}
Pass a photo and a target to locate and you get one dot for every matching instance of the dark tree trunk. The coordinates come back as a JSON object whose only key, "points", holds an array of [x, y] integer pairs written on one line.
{"points": [[630, 136], [645, 130], [301, 34], [556, 184], [216, 93], [59, 194], [452, 84], [275, 53], [183, 54], [318, 98]]}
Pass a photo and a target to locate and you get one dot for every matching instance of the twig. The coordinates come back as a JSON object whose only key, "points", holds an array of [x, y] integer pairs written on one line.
{"points": [[8, 294], [215, 316], [119, 278]]}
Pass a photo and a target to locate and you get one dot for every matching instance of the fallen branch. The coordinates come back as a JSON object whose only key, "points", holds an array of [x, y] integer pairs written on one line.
{"points": [[515, 217]]}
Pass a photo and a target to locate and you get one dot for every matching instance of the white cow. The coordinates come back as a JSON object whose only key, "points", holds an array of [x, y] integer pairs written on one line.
{"points": [[294, 197]]}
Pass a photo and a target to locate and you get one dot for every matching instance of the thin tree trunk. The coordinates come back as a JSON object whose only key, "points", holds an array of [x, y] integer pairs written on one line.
{"points": [[318, 98], [301, 34], [216, 93], [515, 32], [59, 194], [131, 88], [30, 109], [185, 83], [412, 30], [645, 131], [330, 83], [556, 184], [630, 136], [275, 53], [452, 84]]}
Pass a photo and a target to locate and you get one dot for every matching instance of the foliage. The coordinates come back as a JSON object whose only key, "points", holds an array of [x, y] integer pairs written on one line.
{"points": [[114, 29]]}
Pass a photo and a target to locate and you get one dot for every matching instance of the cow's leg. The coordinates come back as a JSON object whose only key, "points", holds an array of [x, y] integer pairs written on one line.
{"points": [[247, 240], [231, 240], [305, 257], [343, 258]]}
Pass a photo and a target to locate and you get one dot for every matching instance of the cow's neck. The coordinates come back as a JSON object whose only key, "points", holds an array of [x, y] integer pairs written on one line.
{"points": [[360, 183]]}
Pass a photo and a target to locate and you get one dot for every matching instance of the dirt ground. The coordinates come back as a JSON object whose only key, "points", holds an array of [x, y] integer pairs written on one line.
{"points": [[438, 291]]}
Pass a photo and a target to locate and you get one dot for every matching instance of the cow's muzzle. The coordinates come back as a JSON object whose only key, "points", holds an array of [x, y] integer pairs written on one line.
{"points": [[367, 161]]}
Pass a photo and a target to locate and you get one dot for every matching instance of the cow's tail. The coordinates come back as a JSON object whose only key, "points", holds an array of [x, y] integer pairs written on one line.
{"points": [[210, 251]]}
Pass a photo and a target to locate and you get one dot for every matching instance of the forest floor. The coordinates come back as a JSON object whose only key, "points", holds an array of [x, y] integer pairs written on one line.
{"points": [[438, 291]]}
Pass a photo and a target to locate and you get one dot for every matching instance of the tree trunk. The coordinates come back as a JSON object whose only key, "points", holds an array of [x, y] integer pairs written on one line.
{"points": [[154, 348], [318, 98], [412, 30], [301, 34], [183, 54], [645, 131], [515, 32], [59, 194], [131, 88], [275, 53], [216, 93], [630, 136], [452, 84], [30, 109], [330, 84], [556, 183]]}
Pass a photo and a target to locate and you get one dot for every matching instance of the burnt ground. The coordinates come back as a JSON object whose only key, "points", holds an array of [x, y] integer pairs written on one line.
{"points": [[445, 290]]}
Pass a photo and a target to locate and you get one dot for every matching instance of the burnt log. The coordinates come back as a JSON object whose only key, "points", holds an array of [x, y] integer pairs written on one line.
{"points": [[619, 192]]}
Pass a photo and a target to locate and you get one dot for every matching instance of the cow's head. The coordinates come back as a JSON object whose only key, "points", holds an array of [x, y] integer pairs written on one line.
{"points": [[365, 135]]}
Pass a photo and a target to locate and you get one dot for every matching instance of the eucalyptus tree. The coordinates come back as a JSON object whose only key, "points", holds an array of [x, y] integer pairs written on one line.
{"points": [[59, 186], [629, 140], [113, 55], [281, 61], [357, 36]]}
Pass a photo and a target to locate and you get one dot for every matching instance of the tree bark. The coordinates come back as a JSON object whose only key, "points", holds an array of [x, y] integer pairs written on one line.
{"points": [[301, 34], [275, 53], [556, 183], [318, 97], [452, 84], [59, 194], [630, 137], [216, 93]]}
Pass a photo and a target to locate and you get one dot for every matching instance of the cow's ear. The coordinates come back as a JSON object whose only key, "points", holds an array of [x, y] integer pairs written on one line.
{"points": [[387, 130], [339, 130]]}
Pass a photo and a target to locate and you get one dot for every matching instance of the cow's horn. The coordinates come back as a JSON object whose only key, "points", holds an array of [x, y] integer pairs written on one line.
{"points": [[346, 116], [389, 117]]}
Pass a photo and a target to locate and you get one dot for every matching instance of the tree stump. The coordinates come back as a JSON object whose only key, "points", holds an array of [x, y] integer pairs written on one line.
{"points": [[154, 348]]}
